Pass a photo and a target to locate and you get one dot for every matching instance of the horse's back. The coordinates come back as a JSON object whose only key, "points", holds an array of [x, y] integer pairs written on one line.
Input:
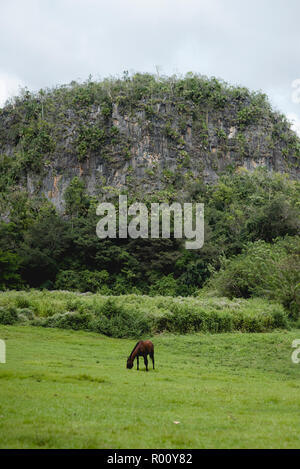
{"points": [[148, 346]]}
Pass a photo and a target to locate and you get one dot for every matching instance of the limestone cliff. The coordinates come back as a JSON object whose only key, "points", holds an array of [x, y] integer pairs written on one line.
{"points": [[142, 134]]}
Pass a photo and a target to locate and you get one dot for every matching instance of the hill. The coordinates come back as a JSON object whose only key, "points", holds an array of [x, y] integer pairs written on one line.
{"points": [[140, 133], [190, 139]]}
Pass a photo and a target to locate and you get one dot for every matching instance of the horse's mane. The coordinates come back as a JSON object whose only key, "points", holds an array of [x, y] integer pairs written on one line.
{"points": [[135, 348]]}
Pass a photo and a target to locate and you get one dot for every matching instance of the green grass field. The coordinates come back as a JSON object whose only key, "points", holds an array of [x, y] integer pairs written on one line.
{"points": [[68, 389]]}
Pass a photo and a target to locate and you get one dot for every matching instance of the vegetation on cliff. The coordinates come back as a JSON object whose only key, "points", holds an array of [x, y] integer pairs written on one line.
{"points": [[194, 131]]}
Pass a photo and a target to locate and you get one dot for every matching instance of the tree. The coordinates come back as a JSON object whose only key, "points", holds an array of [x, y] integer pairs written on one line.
{"points": [[9, 271]]}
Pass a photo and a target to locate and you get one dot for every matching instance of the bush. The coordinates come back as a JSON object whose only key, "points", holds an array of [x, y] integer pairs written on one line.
{"points": [[89, 139], [267, 270], [82, 281], [69, 320], [25, 313], [9, 271], [166, 286], [113, 320], [22, 302], [75, 304], [184, 320], [260, 323], [135, 316], [8, 316]]}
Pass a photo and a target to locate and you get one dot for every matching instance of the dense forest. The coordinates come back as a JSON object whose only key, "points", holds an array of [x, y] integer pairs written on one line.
{"points": [[252, 214]]}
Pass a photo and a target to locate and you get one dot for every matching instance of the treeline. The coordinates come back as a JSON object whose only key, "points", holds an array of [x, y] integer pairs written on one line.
{"points": [[252, 245]]}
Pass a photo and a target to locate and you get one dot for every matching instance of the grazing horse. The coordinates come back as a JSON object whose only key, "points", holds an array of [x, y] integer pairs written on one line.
{"points": [[141, 349]]}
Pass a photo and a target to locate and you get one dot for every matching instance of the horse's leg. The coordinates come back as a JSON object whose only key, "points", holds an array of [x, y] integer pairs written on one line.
{"points": [[152, 358], [146, 362], [137, 362]]}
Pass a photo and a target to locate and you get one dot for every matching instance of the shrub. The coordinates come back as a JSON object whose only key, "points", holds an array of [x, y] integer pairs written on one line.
{"points": [[266, 270], [279, 319], [166, 286], [89, 139], [8, 316], [69, 320], [22, 302], [113, 320], [135, 316], [67, 280], [77, 202], [260, 323], [9, 270], [82, 281], [25, 313], [184, 320], [75, 304], [37, 141]]}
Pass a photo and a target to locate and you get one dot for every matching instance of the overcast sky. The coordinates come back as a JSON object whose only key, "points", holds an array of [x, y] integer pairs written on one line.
{"points": [[254, 43]]}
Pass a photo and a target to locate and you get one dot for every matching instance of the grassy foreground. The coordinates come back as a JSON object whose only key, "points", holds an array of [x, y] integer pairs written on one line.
{"points": [[70, 389]]}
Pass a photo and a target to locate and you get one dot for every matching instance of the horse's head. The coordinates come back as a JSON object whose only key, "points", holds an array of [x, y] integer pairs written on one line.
{"points": [[129, 363]]}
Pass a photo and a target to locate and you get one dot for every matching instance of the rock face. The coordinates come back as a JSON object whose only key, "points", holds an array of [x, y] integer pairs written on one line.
{"points": [[169, 136]]}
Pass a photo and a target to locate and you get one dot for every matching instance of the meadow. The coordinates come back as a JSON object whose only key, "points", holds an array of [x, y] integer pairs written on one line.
{"points": [[71, 389]]}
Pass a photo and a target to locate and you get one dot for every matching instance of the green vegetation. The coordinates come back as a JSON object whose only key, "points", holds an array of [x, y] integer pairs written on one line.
{"points": [[226, 387], [90, 139], [136, 316], [8, 316], [254, 112], [38, 125], [36, 142], [77, 202], [267, 270], [67, 389], [248, 216], [9, 266]]}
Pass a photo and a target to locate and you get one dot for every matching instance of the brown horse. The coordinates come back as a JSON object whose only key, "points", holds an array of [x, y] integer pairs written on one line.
{"points": [[141, 349]]}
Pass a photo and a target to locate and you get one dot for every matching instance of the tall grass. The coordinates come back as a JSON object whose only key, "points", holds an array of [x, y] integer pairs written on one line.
{"points": [[138, 316]]}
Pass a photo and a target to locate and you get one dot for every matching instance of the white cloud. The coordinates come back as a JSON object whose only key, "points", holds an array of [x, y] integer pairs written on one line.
{"points": [[296, 92], [9, 86], [295, 120], [49, 42]]}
